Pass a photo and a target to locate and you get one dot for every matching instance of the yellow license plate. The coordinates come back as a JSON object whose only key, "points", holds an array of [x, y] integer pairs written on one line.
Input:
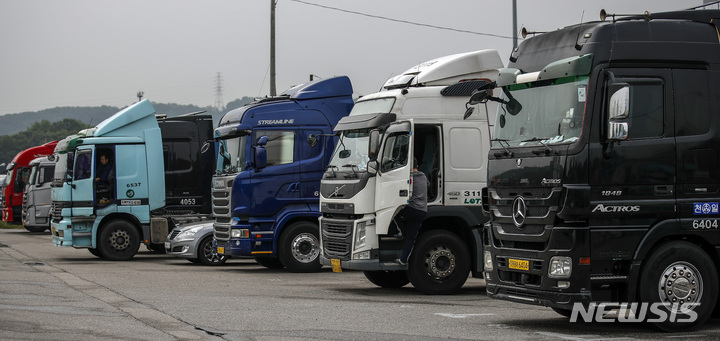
{"points": [[518, 264], [336, 265], [221, 250]]}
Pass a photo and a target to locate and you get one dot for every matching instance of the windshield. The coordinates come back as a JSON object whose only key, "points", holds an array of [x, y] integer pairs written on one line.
{"points": [[373, 106], [231, 155], [551, 112], [352, 150]]}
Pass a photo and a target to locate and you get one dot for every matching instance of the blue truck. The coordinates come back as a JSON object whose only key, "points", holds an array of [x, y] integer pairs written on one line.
{"points": [[130, 179], [271, 156]]}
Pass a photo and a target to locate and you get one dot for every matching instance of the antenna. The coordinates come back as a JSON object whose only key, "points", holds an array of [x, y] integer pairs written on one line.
{"points": [[140, 95]]}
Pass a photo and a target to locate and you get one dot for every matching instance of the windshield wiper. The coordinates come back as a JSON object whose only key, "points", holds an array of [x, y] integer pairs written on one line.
{"points": [[548, 150], [504, 144], [332, 170]]}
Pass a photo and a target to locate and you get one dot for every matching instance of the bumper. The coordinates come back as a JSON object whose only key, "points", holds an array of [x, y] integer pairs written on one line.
{"points": [[236, 247], [181, 248], [61, 234], [536, 297], [365, 264]]}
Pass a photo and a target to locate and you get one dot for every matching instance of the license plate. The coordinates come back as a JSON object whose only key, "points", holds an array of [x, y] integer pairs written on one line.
{"points": [[518, 264], [335, 265], [167, 245], [221, 250]]}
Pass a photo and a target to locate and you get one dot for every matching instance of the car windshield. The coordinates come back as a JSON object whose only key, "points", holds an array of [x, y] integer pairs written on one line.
{"points": [[231, 155], [541, 113], [352, 150]]}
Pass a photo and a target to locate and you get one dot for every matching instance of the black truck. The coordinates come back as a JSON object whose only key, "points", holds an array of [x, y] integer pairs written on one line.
{"points": [[603, 177]]}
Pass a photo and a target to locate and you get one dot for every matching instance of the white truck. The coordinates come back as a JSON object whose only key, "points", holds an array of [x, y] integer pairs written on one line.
{"points": [[36, 198], [422, 112]]}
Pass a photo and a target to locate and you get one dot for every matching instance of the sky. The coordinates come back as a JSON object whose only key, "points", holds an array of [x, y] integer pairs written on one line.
{"points": [[56, 53]]}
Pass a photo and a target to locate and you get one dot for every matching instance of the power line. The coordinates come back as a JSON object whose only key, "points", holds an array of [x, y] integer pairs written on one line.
{"points": [[403, 21]]}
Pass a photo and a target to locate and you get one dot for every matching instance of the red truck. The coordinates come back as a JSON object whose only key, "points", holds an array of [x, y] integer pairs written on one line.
{"points": [[17, 174]]}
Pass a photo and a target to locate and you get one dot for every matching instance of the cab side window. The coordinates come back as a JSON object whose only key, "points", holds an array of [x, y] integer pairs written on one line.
{"points": [[395, 153], [83, 165], [646, 110], [280, 147]]}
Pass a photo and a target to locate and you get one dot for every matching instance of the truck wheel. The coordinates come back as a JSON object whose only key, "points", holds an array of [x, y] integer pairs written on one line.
{"points": [[208, 255], [679, 273], [36, 228], [269, 262], [95, 252], [299, 249], [119, 240], [439, 263], [387, 279]]}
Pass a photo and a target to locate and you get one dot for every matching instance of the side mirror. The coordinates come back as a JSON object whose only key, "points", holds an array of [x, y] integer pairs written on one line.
{"points": [[312, 140], [618, 110], [344, 154], [513, 106], [262, 141], [374, 144]]}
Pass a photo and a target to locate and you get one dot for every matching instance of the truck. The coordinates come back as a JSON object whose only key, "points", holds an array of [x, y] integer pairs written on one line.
{"points": [[16, 176], [603, 178], [36, 198], [271, 155], [420, 113], [131, 179]]}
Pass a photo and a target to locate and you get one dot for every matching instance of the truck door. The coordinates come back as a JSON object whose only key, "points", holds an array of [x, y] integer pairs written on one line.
{"points": [[82, 182], [313, 163], [395, 164], [633, 180], [278, 184]]}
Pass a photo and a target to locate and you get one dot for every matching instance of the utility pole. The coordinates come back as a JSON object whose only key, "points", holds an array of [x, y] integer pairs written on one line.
{"points": [[273, 92], [514, 21]]}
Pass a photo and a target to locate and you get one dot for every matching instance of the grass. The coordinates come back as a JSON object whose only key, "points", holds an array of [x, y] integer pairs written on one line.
{"points": [[7, 226]]}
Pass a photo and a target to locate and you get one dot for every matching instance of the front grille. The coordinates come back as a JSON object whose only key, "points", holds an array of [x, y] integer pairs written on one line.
{"points": [[337, 238], [222, 213], [56, 209], [542, 205], [174, 234]]}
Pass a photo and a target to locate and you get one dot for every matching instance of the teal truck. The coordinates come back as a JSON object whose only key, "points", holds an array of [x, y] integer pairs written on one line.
{"points": [[131, 179]]}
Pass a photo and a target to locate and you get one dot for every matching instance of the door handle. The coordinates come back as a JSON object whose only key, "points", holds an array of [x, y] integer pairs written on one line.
{"points": [[664, 190]]}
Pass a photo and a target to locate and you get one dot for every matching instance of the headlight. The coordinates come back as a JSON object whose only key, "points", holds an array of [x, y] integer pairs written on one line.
{"points": [[240, 233], [487, 259], [189, 233], [360, 233], [560, 267]]}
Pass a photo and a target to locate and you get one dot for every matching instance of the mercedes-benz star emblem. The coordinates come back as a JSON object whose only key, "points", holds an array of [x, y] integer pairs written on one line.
{"points": [[519, 211]]}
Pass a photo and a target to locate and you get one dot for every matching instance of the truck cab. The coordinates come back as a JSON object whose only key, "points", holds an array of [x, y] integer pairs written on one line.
{"points": [[603, 181], [36, 199], [420, 113], [16, 177], [129, 180], [271, 155]]}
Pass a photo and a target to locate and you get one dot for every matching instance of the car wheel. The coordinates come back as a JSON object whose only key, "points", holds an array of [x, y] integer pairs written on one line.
{"points": [[207, 253]]}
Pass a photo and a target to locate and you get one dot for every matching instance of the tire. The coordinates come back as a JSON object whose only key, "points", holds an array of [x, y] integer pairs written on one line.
{"points": [[439, 263], [207, 253], [36, 229], [269, 262], [95, 252], [119, 241], [387, 279], [695, 282], [563, 312], [299, 249]]}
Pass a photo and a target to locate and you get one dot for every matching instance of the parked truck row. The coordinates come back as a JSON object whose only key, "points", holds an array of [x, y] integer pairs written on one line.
{"points": [[585, 171]]}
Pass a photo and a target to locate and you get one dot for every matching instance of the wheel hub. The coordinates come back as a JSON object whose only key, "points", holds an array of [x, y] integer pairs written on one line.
{"points": [[120, 240], [305, 248], [680, 283], [440, 262]]}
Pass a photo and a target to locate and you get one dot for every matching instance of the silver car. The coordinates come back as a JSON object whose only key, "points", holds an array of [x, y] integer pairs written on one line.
{"points": [[194, 241]]}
